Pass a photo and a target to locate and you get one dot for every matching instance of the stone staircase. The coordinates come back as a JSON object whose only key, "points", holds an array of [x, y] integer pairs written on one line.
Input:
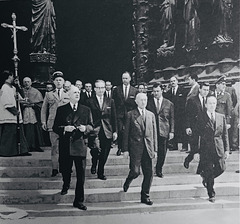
{"points": [[26, 184]]}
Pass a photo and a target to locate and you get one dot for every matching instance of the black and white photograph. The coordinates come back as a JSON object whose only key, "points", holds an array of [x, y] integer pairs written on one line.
{"points": [[119, 111]]}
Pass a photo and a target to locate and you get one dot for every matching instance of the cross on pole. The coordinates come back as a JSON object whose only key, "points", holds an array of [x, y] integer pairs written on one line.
{"points": [[14, 29]]}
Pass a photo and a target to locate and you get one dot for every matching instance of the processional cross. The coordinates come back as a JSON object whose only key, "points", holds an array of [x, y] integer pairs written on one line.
{"points": [[15, 58]]}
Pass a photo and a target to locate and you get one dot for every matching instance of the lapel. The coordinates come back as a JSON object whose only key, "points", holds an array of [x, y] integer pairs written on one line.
{"points": [[95, 102], [162, 105], [217, 121], [147, 122], [56, 95], [104, 102], [199, 102], [153, 106], [78, 113], [121, 91], [208, 121], [69, 113], [138, 118]]}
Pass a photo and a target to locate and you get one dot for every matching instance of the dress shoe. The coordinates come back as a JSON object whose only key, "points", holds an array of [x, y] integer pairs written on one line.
{"points": [[125, 186], [93, 170], [64, 190], [54, 172], [146, 201], [118, 152], [237, 171], [160, 175], [102, 177], [212, 199], [79, 205], [186, 164]]}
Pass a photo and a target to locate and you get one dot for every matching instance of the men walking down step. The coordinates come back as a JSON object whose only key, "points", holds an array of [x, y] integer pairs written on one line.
{"points": [[214, 146], [51, 102], [140, 143], [72, 124], [124, 98], [105, 128], [31, 108], [195, 109], [163, 110]]}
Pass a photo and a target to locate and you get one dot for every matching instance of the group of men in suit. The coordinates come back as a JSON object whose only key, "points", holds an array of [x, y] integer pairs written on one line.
{"points": [[141, 124]]}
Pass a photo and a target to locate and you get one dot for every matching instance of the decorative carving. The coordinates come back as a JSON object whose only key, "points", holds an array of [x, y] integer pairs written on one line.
{"points": [[43, 58]]}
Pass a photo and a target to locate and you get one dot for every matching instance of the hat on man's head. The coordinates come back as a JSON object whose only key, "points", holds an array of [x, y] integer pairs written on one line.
{"points": [[221, 79], [57, 74]]}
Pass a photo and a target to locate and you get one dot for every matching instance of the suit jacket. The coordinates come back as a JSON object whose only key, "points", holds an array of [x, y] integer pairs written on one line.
{"points": [[231, 90], [165, 117], [111, 93], [194, 114], [104, 117], [84, 98], [194, 92], [138, 135], [72, 143], [122, 105], [214, 137], [50, 104]]}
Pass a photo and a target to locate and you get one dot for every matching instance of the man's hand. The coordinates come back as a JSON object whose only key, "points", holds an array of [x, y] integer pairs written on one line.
{"points": [[189, 131], [197, 157], [226, 155], [82, 128], [228, 126], [115, 135], [171, 135], [125, 154], [44, 126], [69, 128]]}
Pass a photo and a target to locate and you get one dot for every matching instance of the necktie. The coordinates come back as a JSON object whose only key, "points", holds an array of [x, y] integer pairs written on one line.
{"points": [[173, 91], [212, 118], [74, 107], [126, 95], [101, 102], [158, 105], [59, 93], [143, 116]]}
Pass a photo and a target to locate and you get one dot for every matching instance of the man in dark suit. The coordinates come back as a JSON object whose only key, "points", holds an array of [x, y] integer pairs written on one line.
{"points": [[140, 143], [72, 123], [214, 146], [87, 94], [124, 98], [163, 110], [177, 96], [105, 127], [195, 109], [108, 93], [193, 82]]}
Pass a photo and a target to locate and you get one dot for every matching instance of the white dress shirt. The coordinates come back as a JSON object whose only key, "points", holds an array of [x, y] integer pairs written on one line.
{"points": [[124, 88], [160, 102]]}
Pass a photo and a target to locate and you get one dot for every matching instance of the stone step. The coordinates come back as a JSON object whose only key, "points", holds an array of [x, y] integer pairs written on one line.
{"points": [[111, 182], [115, 194], [124, 207], [110, 170], [44, 159]]}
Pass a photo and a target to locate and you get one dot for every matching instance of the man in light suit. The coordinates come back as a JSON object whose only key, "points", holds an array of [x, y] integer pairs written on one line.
{"points": [[214, 146], [124, 98], [163, 110], [105, 127], [140, 143], [72, 123], [51, 102]]}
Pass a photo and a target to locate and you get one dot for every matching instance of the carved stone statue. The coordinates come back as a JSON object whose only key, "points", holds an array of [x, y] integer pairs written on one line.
{"points": [[192, 25], [168, 29], [43, 27], [223, 11]]}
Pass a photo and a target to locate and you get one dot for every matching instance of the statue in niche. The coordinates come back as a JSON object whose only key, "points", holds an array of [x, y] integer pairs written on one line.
{"points": [[43, 24], [223, 11], [192, 25], [168, 29]]}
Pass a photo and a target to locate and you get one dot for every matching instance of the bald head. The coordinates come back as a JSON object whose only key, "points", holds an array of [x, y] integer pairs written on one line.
{"points": [[126, 78]]}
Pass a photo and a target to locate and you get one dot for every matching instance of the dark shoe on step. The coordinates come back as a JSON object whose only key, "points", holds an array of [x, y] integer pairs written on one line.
{"points": [[102, 177], [159, 174], [26, 154], [186, 164], [126, 186], [93, 170], [54, 173], [64, 190], [212, 199], [79, 205], [146, 201], [118, 152]]}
